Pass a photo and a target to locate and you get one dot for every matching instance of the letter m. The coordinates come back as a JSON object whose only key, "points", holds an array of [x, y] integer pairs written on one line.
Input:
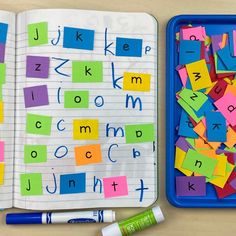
{"points": [[84, 129], [137, 80], [197, 75], [134, 102]]}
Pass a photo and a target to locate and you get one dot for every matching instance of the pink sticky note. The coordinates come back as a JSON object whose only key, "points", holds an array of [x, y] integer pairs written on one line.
{"points": [[115, 186], [183, 75], [194, 33], [227, 106], [234, 40], [1, 151]]}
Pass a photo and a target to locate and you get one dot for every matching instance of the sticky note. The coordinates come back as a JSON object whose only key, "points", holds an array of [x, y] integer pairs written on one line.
{"points": [[190, 185], [179, 158], [37, 34], [85, 129], [186, 126], [2, 73], [73, 183], [76, 99], [31, 184], [218, 90], [194, 99], [129, 47], [36, 96], [1, 112], [189, 51], [183, 75], [198, 75], [194, 33], [88, 154], [199, 163], [2, 52], [37, 67], [136, 82], [38, 124], [228, 60], [183, 144], [87, 71], [139, 133], [216, 40], [78, 38], [115, 186], [216, 127], [35, 153], [227, 106], [2, 144], [2, 172], [3, 33], [233, 183], [231, 137]]}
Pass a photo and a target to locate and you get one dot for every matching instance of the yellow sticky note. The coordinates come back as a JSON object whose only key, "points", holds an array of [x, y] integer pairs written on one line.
{"points": [[85, 129], [198, 75], [2, 165], [1, 112], [220, 181], [136, 82], [179, 158]]}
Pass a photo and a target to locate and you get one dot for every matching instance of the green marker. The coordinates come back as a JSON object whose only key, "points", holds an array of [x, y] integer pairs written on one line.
{"points": [[135, 224]]}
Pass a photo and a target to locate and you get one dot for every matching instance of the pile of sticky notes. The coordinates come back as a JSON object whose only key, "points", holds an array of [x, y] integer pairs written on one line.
{"points": [[205, 151]]}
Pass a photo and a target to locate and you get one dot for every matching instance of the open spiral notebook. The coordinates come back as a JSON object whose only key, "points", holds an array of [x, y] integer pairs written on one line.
{"points": [[78, 109]]}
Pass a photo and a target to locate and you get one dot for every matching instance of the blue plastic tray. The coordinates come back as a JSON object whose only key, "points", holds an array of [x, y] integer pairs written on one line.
{"points": [[214, 24]]}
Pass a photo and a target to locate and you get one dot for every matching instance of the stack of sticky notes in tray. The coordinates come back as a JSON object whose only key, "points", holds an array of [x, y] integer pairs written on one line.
{"points": [[206, 144]]}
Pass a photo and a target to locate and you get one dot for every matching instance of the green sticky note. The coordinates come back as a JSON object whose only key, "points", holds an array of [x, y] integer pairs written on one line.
{"points": [[31, 184], [193, 98], [38, 124], [87, 71], [139, 133], [2, 73], [199, 163], [35, 153], [76, 99], [189, 110], [37, 34]]}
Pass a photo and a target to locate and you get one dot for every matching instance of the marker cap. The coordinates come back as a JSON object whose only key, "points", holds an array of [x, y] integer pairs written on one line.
{"points": [[158, 214], [24, 218]]}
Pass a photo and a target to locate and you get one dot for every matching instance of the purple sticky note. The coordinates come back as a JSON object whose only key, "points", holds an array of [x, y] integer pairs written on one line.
{"points": [[36, 96], [37, 67], [2, 52], [183, 144], [216, 40], [190, 186], [233, 183]]}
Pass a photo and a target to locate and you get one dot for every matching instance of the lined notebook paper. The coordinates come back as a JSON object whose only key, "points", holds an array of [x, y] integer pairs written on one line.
{"points": [[85, 110]]}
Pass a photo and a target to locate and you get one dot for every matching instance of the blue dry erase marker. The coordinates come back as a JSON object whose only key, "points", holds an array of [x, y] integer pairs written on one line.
{"points": [[61, 217]]}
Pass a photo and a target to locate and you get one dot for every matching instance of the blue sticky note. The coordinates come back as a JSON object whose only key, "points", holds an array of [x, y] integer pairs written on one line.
{"points": [[189, 51], [227, 59], [206, 107], [129, 47], [3, 32], [216, 127], [78, 38], [231, 42], [186, 126], [73, 183]]}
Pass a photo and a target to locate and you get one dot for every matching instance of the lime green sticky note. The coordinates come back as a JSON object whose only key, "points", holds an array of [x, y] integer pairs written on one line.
{"points": [[199, 163], [35, 153], [139, 133], [37, 34], [31, 184], [189, 110], [87, 71], [38, 124], [194, 99], [76, 99], [2, 73]]}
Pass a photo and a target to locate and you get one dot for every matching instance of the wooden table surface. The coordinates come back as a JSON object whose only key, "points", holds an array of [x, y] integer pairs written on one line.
{"points": [[179, 222]]}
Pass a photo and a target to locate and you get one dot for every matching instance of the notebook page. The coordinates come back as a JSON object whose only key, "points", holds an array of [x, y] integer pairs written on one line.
{"points": [[7, 106], [81, 162]]}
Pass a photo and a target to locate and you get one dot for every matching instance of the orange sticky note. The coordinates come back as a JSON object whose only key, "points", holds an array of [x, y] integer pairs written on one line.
{"points": [[198, 75], [231, 138], [88, 154], [136, 82]]}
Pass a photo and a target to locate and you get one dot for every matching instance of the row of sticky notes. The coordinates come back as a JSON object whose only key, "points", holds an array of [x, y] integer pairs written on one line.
{"points": [[3, 41], [206, 145], [79, 38], [32, 184]]}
